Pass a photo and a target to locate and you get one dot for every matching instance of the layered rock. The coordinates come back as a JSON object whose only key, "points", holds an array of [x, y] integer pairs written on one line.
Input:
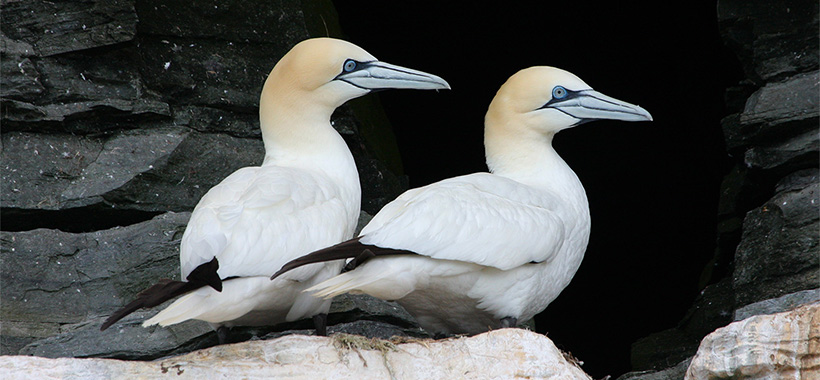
{"points": [[500, 354], [777, 346], [117, 117], [768, 251]]}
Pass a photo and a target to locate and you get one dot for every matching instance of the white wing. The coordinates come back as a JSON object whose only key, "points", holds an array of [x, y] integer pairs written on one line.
{"points": [[259, 218], [480, 218]]}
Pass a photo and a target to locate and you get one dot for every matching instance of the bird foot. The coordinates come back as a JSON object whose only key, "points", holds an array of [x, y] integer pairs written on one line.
{"points": [[320, 322], [509, 322], [222, 334]]}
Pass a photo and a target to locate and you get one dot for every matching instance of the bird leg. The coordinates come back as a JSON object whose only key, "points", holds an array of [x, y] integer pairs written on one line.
{"points": [[441, 335], [320, 322], [222, 334], [509, 322]]}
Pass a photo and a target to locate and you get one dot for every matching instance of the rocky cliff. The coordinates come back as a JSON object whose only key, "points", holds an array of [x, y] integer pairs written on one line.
{"points": [[117, 117], [767, 258]]}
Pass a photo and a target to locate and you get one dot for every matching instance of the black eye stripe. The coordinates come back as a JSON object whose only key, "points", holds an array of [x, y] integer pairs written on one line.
{"points": [[568, 94]]}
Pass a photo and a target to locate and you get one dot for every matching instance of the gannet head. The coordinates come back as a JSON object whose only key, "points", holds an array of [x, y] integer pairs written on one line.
{"points": [[548, 99], [314, 78], [537, 102], [329, 72]]}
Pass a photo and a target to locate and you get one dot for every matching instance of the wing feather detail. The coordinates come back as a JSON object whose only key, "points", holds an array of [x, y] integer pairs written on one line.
{"points": [[259, 209], [480, 218]]}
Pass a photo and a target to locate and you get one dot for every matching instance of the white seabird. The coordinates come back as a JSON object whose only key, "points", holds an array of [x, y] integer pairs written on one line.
{"points": [[305, 196], [486, 250]]}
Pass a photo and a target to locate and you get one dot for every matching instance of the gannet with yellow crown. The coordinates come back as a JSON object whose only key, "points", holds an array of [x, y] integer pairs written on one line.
{"points": [[305, 196], [486, 250]]}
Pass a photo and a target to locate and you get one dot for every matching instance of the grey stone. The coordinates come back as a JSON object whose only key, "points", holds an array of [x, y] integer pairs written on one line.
{"points": [[10, 47], [54, 116], [126, 340], [150, 170], [21, 80], [779, 304], [775, 113], [771, 39], [54, 283], [673, 373], [376, 329], [64, 26], [214, 73], [198, 163], [779, 252], [798, 180], [364, 218], [361, 306], [123, 157], [776, 103], [795, 153], [712, 309], [217, 120], [97, 75], [39, 167], [284, 21]]}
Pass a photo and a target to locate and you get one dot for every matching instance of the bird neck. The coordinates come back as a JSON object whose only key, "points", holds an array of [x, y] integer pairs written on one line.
{"points": [[297, 133], [528, 157]]}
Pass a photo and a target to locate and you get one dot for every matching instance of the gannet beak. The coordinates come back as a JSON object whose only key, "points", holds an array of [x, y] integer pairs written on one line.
{"points": [[377, 75], [588, 105]]}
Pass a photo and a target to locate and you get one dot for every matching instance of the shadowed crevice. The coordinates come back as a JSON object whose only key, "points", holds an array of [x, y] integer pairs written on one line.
{"points": [[75, 220]]}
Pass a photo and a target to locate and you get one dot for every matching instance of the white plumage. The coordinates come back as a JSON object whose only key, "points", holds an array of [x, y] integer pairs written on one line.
{"points": [[305, 196], [253, 222], [490, 249]]}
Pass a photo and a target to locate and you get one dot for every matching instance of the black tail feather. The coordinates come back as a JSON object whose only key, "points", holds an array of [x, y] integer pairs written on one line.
{"points": [[345, 250], [203, 275]]}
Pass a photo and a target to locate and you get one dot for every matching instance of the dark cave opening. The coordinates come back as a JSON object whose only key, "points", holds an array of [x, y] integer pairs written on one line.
{"points": [[653, 187]]}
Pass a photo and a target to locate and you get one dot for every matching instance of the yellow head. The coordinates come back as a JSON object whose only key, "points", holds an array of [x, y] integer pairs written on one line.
{"points": [[330, 72]]}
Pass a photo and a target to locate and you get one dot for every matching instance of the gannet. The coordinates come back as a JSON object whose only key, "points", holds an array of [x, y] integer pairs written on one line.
{"points": [[305, 196], [485, 250]]}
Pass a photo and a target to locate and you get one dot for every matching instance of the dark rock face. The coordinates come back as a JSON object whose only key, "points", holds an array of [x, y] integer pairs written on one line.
{"points": [[772, 40], [770, 200], [779, 252], [117, 117], [58, 284]]}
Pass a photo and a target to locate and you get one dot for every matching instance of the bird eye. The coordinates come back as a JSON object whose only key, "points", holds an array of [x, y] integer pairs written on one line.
{"points": [[559, 92], [349, 65]]}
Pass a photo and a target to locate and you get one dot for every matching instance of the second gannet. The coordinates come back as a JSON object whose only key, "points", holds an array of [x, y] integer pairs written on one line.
{"points": [[485, 250], [305, 196]]}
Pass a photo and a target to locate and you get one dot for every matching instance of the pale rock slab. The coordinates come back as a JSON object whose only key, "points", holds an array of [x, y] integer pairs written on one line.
{"points": [[499, 354], [777, 346]]}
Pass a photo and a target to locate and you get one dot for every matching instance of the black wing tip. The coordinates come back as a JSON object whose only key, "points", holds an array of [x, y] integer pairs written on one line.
{"points": [[293, 264], [122, 313], [108, 322], [203, 275]]}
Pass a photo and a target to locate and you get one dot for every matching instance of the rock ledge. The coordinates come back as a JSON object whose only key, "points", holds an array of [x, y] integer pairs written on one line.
{"points": [[506, 353]]}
